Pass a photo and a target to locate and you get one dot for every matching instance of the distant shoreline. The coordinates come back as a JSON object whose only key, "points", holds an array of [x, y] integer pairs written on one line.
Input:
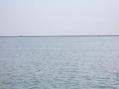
{"points": [[64, 36]]}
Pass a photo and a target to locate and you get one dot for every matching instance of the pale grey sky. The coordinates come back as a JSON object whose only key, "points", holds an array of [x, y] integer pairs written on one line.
{"points": [[59, 17]]}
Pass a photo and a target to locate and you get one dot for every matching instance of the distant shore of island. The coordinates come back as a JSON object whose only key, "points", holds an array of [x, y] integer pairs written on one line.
{"points": [[62, 36]]}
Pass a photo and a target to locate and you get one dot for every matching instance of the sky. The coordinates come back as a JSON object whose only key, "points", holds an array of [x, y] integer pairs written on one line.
{"points": [[59, 17]]}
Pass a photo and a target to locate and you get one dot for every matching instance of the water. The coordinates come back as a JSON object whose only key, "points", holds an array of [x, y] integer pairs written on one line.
{"points": [[59, 63]]}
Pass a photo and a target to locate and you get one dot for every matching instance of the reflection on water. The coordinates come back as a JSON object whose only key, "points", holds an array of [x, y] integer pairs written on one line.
{"points": [[59, 63]]}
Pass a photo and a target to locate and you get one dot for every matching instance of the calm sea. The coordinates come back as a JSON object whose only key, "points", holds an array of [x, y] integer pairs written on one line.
{"points": [[59, 62]]}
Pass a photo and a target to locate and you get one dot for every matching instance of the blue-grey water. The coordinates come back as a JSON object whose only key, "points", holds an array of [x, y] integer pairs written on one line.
{"points": [[59, 62]]}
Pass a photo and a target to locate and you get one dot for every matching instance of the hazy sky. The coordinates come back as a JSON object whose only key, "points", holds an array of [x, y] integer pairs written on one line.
{"points": [[59, 17]]}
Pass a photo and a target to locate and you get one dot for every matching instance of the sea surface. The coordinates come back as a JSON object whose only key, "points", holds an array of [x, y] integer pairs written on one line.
{"points": [[59, 62]]}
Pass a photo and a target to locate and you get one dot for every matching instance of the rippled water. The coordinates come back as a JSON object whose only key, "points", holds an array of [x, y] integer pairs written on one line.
{"points": [[59, 63]]}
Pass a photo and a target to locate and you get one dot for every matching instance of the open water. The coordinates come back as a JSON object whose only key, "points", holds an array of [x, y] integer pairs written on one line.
{"points": [[59, 62]]}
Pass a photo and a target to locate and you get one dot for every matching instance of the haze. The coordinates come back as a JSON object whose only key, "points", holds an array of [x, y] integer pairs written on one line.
{"points": [[59, 17]]}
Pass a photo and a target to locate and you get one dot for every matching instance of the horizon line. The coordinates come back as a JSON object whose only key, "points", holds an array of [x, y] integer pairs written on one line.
{"points": [[59, 35]]}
